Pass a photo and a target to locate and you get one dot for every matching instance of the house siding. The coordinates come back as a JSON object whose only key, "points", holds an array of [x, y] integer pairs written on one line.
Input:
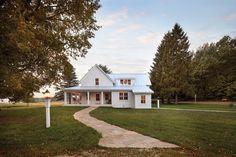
{"points": [[138, 104], [117, 103]]}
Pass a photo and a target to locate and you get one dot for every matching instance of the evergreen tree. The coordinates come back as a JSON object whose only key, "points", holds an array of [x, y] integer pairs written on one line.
{"points": [[69, 80], [170, 71], [105, 69]]}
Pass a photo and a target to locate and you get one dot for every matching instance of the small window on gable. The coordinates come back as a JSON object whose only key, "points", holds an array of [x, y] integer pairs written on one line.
{"points": [[143, 99], [96, 81]]}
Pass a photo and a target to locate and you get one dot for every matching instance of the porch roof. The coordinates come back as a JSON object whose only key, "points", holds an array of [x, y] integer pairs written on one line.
{"points": [[97, 88], [141, 89], [135, 90]]}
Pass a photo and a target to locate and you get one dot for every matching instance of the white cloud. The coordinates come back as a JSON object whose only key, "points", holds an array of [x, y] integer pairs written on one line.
{"points": [[148, 38], [129, 27], [111, 19], [230, 17]]}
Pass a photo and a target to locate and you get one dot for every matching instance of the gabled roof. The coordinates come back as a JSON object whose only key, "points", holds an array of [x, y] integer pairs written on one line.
{"points": [[100, 70]]}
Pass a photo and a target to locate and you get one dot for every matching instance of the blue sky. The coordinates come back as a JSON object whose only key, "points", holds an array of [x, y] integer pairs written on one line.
{"points": [[132, 30]]}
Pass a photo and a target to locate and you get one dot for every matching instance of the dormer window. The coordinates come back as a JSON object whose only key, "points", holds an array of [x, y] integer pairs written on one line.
{"points": [[125, 82], [96, 81], [129, 82]]}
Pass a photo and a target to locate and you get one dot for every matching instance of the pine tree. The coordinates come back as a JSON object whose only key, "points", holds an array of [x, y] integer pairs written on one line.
{"points": [[170, 71], [69, 80], [105, 68]]}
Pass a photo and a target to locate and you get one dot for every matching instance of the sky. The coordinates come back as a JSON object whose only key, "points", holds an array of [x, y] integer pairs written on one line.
{"points": [[132, 29]]}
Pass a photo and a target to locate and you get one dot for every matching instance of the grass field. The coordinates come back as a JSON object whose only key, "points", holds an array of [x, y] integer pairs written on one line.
{"points": [[23, 132], [213, 134], [27, 105], [228, 107]]}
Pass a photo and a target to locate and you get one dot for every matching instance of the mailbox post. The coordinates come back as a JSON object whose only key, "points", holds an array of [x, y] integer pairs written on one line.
{"points": [[47, 106], [158, 102]]}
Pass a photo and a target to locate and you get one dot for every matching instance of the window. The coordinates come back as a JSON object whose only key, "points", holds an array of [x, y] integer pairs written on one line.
{"points": [[123, 96], [97, 97], [106, 96], [96, 81], [125, 82], [129, 82], [143, 99]]}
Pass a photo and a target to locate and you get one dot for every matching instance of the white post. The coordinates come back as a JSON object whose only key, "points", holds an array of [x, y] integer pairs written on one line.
{"points": [[47, 105], [195, 98], [65, 98], [158, 103], [71, 98], [88, 98], [102, 98]]}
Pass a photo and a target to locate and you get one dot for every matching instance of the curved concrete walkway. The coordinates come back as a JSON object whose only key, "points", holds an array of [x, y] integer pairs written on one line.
{"points": [[116, 137]]}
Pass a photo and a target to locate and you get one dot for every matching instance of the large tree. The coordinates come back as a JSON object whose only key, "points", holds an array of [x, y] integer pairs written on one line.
{"points": [[36, 38], [170, 71], [214, 70]]}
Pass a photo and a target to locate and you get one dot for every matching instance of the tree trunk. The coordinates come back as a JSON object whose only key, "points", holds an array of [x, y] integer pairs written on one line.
{"points": [[162, 100], [168, 100], [176, 98]]}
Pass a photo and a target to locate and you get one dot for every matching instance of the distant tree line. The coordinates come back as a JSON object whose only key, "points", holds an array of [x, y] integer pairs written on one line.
{"points": [[208, 73]]}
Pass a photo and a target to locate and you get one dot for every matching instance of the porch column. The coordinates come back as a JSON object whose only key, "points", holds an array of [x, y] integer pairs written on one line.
{"points": [[102, 97], [88, 97], [65, 98], [71, 98]]}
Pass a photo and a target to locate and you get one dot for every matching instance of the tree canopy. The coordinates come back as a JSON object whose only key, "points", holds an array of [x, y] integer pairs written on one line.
{"points": [[36, 39], [214, 70]]}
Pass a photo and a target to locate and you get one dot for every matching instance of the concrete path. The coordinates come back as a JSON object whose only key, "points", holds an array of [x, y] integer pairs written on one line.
{"points": [[116, 137]]}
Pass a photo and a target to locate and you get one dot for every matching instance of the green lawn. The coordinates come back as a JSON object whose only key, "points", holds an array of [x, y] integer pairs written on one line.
{"points": [[23, 132], [200, 106], [214, 134]]}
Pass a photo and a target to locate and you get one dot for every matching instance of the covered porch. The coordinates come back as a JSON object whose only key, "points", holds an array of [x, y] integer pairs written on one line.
{"points": [[87, 98]]}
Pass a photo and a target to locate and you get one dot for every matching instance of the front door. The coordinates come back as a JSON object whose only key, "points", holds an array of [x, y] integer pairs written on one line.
{"points": [[98, 98]]}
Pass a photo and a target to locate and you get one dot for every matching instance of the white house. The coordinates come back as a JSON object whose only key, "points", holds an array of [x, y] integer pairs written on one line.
{"points": [[121, 90]]}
